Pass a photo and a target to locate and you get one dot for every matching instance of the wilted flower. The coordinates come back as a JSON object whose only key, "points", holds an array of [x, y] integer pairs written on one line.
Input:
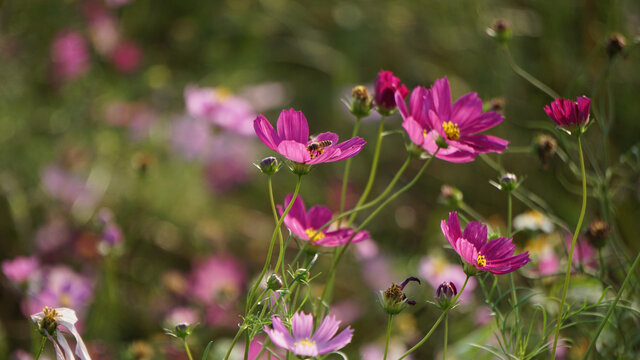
{"points": [[49, 322], [500, 30], [616, 44], [431, 121], [393, 300], [451, 196], [597, 232], [546, 146], [306, 225], [569, 114], [69, 55], [303, 343], [387, 85], [292, 141], [19, 269], [495, 256]]}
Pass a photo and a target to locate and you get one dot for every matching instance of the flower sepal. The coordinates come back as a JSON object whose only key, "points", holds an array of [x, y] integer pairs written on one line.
{"points": [[393, 300], [445, 296], [181, 331], [299, 168]]}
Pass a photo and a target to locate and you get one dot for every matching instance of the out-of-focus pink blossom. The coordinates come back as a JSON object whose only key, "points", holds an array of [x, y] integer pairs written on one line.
{"points": [[229, 162], [126, 57], [191, 138], [181, 315], [53, 235], [376, 269], [346, 310], [69, 55], [436, 270], [256, 346], [20, 269], [112, 234], [374, 351], [138, 117], [220, 108], [117, 3], [584, 253], [482, 315], [217, 280], [60, 287], [67, 187], [103, 27], [264, 96]]}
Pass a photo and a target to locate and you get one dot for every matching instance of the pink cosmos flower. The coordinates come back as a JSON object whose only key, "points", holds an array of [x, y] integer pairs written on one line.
{"points": [[567, 113], [191, 138], [217, 280], [219, 107], [50, 322], [431, 116], [305, 224], [302, 342], [62, 287], [19, 269], [495, 256], [69, 55], [387, 85]]}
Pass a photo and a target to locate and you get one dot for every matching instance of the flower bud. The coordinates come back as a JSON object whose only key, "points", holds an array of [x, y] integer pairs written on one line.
{"points": [[441, 142], [386, 87], [302, 275], [500, 31], [361, 102], [616, 44], [269, 165], [597, 232], [546, 147], [509, 182], [445, 294], [181, 330], [393, 300], [451, 196], [274, 282]]}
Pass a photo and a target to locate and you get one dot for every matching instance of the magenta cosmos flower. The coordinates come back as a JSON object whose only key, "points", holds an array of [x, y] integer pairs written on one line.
{"points": [[495, 256], [302, 342], [292, 140], [305, 224], [387, 85], [431, 116], [567, 113]]}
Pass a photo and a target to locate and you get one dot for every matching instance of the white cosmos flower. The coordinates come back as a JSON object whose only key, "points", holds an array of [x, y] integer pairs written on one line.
{"points": [[48, 322]]}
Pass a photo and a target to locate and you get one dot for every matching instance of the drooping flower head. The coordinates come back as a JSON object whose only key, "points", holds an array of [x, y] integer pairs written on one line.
{"points": [[306, 224], [387, 85], [495, 256], [300, 339], [431, 120], [569, 114], [292, 141], [393, 300], [49, 322]]}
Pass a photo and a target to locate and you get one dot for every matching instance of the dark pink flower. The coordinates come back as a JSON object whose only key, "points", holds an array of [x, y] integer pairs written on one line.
{"points": [[126, 57], [217, 280], [303, 342], [19, 269], [305, 224], [387, 85], [292, 140], [69, 55], [567, 113], [431, 117], [495, 256]]}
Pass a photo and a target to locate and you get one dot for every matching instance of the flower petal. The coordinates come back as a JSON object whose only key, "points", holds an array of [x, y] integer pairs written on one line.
{"points": [[301, 325], [451, 229], [317, 216], [465, 110], [485, 143], [266, 133], [476, 233], [296, 219], [279, 335], [64, 345], [292, 125], [467, 251], [333, 137], [414, 130], [294, 151], [337, 343], [481, 123], [440, 94], [326, 330]]}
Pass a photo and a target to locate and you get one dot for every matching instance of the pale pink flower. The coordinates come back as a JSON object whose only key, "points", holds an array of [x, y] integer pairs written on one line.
{"points": [[51, 322], [20, 269]]}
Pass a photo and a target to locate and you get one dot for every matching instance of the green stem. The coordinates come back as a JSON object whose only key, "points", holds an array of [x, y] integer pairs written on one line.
{"points": [[44, 341], [514, 295], [247, 343], [233, 342], [347, 167], [446, 336], [530, 78], [433, 328], [374, 168], [271, 244], [339, 253], [603, 323], [386, 344], [186, 348], [276, 219], [573, 244]]}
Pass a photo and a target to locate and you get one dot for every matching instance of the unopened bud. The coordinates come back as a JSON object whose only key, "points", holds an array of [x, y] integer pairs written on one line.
{"points": [[451, 196], [274, 282], [597, 233], [361, 101], [500, 31], [509, 182], [616, 44], [269, 165], [445, 294], [546, 147], [441, 142]]}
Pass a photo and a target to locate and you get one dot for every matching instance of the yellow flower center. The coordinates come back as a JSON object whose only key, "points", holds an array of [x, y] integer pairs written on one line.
{"points": [[314, 235], [50, 320], [222, 93], [65, 300], [424, 132], [50, 314], [451, 130], [305, 342], [482, 261]]}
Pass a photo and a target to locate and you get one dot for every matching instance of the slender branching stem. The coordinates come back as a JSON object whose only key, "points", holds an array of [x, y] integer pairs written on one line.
{"points": [[386, 344]]}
